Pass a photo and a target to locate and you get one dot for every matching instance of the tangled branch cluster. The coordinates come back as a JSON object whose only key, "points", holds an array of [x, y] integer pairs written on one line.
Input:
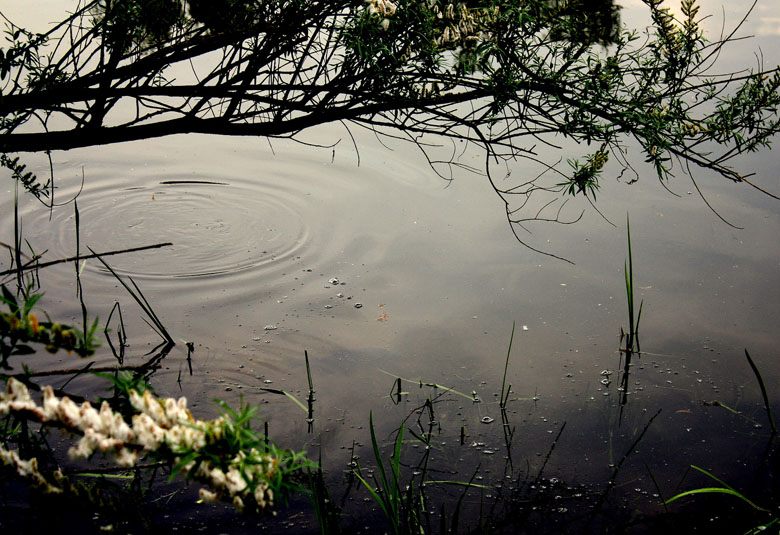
{"points": [[503, 77]]}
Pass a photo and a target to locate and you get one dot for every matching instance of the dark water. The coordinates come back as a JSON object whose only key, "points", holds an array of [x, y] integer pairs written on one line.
{"points": [[259, 233]]}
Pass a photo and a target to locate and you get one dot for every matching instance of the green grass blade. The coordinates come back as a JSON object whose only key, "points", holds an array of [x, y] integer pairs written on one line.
{"points": [[396, 467], [434, 385], [628, 268], [285, 393], [105, 476], [725, 489], [458, 483], [763, 527], [448, 389], [378, 499], [716, 490], [763, 391], [391, 505], [711, 476]]}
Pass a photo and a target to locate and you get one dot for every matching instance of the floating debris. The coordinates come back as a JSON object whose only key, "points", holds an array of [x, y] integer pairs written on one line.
{"points": [[525, 327], [358, 305], [487, 420], [606, 373], [207, 182], [333, 281], [270, 327]]}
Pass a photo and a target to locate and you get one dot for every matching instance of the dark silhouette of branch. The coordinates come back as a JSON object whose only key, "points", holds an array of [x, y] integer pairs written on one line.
{"points": [[501, 77]]}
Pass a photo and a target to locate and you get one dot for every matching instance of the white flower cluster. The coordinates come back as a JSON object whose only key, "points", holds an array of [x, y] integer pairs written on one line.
{"points": [[465, 25], [29, 469], [382, 10], [160, 422], [234, 483]]}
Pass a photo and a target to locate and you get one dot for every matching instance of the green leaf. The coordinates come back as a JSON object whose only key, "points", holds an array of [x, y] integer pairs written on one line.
{"points": [[716, 490], [9, 299], [30, 302], [725, 489], [285, 393]]}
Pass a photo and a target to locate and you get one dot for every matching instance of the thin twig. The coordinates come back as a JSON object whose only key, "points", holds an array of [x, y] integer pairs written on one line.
{"points": [[84, 257], [80, 370]]}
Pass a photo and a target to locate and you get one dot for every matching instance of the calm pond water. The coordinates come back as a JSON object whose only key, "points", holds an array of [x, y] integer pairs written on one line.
{"points": [[262, 231]]}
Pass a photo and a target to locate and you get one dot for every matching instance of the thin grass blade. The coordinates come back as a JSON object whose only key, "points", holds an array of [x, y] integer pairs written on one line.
{"points": [[763, 391], [716, 490]]}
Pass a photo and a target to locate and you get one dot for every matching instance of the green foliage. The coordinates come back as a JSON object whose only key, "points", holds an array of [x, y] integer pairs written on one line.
{"points": [[585, 176], [22, 58], [748, 119], [130, 24], [633, 316], [21, 326], [232, 443], [402, 508], [125, 381], [27, 178], [237, 464], [226, 16], [403, 504]]}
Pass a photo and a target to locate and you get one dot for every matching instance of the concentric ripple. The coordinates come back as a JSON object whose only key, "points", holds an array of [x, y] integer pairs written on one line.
{"points": [[216, 226]]}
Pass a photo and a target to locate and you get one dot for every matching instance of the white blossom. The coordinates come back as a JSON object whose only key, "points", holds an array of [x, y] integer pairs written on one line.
{"points": [[234, 481], [159, 423], [207, 496], [126, 458], [28, 469]]}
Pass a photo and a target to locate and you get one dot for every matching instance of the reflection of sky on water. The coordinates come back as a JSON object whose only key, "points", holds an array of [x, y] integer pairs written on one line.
{"points": [[440, 280]]}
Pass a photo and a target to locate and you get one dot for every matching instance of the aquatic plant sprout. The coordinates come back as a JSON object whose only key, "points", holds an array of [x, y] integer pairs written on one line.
{"points": [[236, 464]]}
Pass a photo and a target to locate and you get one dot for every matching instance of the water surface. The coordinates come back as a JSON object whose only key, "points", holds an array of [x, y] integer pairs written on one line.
{"points": [[382, 269]]}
